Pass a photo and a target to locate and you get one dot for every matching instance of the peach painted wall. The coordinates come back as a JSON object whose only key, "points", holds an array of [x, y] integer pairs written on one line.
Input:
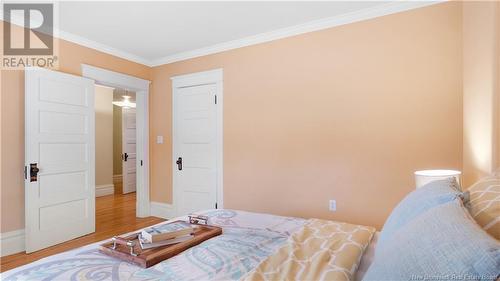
{"points": [[347, 113], [497, 102], [481, 50], [103, 136], [12, 118]]}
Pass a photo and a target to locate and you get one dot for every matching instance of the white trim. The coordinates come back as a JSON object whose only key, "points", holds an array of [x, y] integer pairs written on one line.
{"points": [[104, 189], [162, 210], [12, 242], [198, 78], [215, 76], [360, 15], [114, 79], [82, 41], [141, 88]]}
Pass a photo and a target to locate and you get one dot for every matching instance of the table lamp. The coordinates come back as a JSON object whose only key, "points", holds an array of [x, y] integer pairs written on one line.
{"points": [[425, 176]]}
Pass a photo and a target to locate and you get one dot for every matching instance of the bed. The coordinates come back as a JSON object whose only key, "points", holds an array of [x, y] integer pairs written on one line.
{"points": [[431, 234], [253, 246]]}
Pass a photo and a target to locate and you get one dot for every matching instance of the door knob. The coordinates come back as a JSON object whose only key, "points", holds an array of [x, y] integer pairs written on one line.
{"points": [[34, 172], [179, 163], [125, 156]]}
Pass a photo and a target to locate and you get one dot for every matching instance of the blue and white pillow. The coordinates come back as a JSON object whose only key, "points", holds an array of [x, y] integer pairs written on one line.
{"points": [[417, 202], [443, 243]]}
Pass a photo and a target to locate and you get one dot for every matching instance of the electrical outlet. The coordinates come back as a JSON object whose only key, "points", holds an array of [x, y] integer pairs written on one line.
{"points": [[333, 205], [159, 139]]}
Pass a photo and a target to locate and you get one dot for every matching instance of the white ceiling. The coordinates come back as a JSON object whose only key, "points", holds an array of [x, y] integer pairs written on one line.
{"points": [[155, 33]]}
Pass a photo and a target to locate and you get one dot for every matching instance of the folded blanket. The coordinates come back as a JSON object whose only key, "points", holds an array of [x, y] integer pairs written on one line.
{"points": [[321, 250]]}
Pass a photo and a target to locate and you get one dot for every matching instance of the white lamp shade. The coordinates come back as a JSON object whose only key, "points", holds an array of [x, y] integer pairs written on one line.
{"points": [[425, 176]]}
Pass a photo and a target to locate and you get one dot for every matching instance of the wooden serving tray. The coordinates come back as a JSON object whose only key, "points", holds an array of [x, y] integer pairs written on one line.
{"points": [[149, 257]]}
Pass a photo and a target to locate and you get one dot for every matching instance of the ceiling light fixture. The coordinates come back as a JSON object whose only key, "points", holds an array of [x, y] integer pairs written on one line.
{"points": [[125, 103]]}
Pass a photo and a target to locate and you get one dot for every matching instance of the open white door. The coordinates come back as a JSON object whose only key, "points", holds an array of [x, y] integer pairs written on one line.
{"points": [[129, 137], [60, 143]]}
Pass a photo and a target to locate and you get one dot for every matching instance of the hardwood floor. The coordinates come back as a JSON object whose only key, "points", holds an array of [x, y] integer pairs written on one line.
{"points": [[115, 215]]}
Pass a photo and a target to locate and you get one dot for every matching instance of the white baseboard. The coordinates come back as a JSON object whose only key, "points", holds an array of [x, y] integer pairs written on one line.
{"points": [[105, 189], [12, 242], [162, 210]]}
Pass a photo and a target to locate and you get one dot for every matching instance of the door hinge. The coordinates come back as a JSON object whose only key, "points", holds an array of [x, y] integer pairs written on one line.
{"points": [[216, 205], [141, 163], [215, 99], [25, 172]]}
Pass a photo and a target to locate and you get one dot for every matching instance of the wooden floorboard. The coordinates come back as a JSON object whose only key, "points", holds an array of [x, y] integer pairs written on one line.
{"points": [[115, 215]]}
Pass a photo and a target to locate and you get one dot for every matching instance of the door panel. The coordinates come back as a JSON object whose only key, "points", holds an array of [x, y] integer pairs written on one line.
{"points": [[199, 155], [62, 187], [63, 154], [62, 123], [196, 179], [71, 212], [195, 114], [60, 204], [195, 201], [129, 136], [63, 92]]}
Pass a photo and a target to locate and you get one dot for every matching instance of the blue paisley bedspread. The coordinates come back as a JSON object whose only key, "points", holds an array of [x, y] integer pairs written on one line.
{"points": [[247, 239]]}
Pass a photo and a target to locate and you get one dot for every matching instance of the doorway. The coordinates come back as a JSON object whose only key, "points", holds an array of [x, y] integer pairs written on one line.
{"points": [[197, 141], [140, 87], [115, 141], [124, 141]]}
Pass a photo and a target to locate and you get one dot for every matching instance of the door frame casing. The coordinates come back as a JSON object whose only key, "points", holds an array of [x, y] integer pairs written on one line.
{"points": [[210, 77], [141, 88]]}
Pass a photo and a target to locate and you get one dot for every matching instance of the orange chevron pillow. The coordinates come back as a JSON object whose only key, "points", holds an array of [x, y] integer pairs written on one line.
{"points": [[484, 204]]}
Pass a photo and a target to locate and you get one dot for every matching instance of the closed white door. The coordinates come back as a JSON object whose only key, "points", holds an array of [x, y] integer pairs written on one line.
{"points": [[195, 148], [129, 158], [60, 158]]}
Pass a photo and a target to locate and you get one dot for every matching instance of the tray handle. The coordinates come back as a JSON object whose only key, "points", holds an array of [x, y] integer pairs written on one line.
{"points": [[198, 219], [129, 243]]}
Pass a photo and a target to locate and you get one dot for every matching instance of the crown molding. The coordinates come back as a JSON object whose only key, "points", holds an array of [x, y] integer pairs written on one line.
{"points": [[356, 16], [82, 41], [101, 47], [364, 14]]}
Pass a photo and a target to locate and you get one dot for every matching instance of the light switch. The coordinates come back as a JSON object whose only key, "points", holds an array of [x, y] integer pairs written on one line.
{"points": [[159, 139]]}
